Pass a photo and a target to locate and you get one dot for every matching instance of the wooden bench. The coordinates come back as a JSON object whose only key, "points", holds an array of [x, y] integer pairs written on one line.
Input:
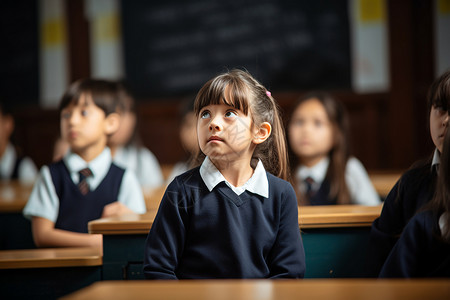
{"points": [[48, 273]]}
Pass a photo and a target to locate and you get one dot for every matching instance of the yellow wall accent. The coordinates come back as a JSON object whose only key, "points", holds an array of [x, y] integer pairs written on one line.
{"points": [[107, 27], [371, 10], [53, 32], [444, 7]]}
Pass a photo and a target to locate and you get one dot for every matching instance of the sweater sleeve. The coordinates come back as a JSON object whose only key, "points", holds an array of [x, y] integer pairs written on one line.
{"points": [[403, 261], [385, 231], [287, 256], [164, 244]]}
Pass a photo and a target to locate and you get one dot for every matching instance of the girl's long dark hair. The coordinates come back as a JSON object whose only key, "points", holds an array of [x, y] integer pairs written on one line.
{"points": [[440, 203], [339, 153]]}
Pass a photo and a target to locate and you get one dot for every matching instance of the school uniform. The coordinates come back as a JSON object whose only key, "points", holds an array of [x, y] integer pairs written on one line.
{"points": [[142, 162], [414, 189], [207, 228], [56, 197], [419, 252], [178, 169], [358, 183], [16, 167]]}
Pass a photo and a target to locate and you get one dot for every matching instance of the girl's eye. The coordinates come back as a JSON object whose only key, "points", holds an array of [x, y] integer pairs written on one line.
{"points": [[65, 115], [298, 122], [318, 123], [84, 112], [205, 114], [230, 114]]}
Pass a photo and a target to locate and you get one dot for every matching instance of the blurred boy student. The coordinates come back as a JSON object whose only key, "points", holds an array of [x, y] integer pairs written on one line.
{"points": [[416, 186], [12, 164], [126, 148], [324, 173], [84, 185], [423, 249], [232, 217]]}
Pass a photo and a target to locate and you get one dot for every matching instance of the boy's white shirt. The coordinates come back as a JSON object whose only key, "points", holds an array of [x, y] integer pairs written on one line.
{"points": [[257, 184], [27, 169], [44, 202], [358, 182]]}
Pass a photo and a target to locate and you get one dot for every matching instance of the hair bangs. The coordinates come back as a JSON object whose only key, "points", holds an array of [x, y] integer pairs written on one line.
{"points": [[223, 90]]}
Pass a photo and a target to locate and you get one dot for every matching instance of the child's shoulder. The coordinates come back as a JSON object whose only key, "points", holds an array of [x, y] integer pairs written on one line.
{"points": [[189, 178], [278, 184]]}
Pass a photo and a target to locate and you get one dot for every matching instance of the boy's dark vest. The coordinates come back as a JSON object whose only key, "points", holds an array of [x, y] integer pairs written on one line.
{"points": [[15, 173], [321, 197], [76, 209]]}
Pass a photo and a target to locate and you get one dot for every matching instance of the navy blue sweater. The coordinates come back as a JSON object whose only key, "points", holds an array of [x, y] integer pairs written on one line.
{"points": [[419, 252], [200, 234], [414, 189]]}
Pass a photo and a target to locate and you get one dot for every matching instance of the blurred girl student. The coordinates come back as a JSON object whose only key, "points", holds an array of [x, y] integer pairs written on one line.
{"points": [[188, 138], [324, 173], [12, 165], [416, 186], [423, 249], [126, 147], [232, 217], [85, 185]]}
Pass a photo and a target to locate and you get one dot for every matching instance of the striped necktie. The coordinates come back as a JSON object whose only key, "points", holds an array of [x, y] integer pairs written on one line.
{"points": [[309, 188], [83, 184]]}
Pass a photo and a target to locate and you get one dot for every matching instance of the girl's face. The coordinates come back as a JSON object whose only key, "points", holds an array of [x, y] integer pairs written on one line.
{"points": [[225, 133], [126, 129], [310, 132], [439, 119], [188, 133]]}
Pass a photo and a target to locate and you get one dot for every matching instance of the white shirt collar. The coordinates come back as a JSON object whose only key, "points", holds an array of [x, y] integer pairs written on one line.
{"points": [[99, 166], [436, 158], [257, 184], [316, 172], [8, 161]]}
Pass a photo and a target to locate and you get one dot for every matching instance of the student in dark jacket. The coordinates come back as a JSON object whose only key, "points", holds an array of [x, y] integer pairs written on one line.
{"points": [[232, 217], [423, 249], [416, 187]]}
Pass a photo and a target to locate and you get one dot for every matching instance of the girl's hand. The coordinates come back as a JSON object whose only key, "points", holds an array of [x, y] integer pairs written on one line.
{"points": [[115, 209]]}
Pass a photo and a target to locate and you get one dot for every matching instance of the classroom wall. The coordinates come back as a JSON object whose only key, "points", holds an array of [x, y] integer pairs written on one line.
{"points": [[388, 122]]}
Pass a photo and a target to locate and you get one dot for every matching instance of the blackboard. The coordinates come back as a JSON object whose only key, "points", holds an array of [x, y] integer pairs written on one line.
{"points": [[173, 47], [19, 53]]}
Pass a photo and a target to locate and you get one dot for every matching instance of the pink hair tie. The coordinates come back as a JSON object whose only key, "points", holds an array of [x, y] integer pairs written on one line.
{"points": [[268, 93]]}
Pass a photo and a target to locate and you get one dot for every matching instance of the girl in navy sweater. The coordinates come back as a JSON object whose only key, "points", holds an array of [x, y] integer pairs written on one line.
{"points": [[423, 249], [416, 187], [234, 216]]}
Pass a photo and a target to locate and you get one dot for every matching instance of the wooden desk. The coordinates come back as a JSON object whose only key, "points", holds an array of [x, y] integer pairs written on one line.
{"points": [[335, 240], [267, 289], [48, 273], [15, 230], [384, 181], [50, 258], [13, 196]]}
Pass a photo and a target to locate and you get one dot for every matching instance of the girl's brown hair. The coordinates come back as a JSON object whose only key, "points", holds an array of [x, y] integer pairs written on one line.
{"points": [[339, 153], [238, 88]]}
